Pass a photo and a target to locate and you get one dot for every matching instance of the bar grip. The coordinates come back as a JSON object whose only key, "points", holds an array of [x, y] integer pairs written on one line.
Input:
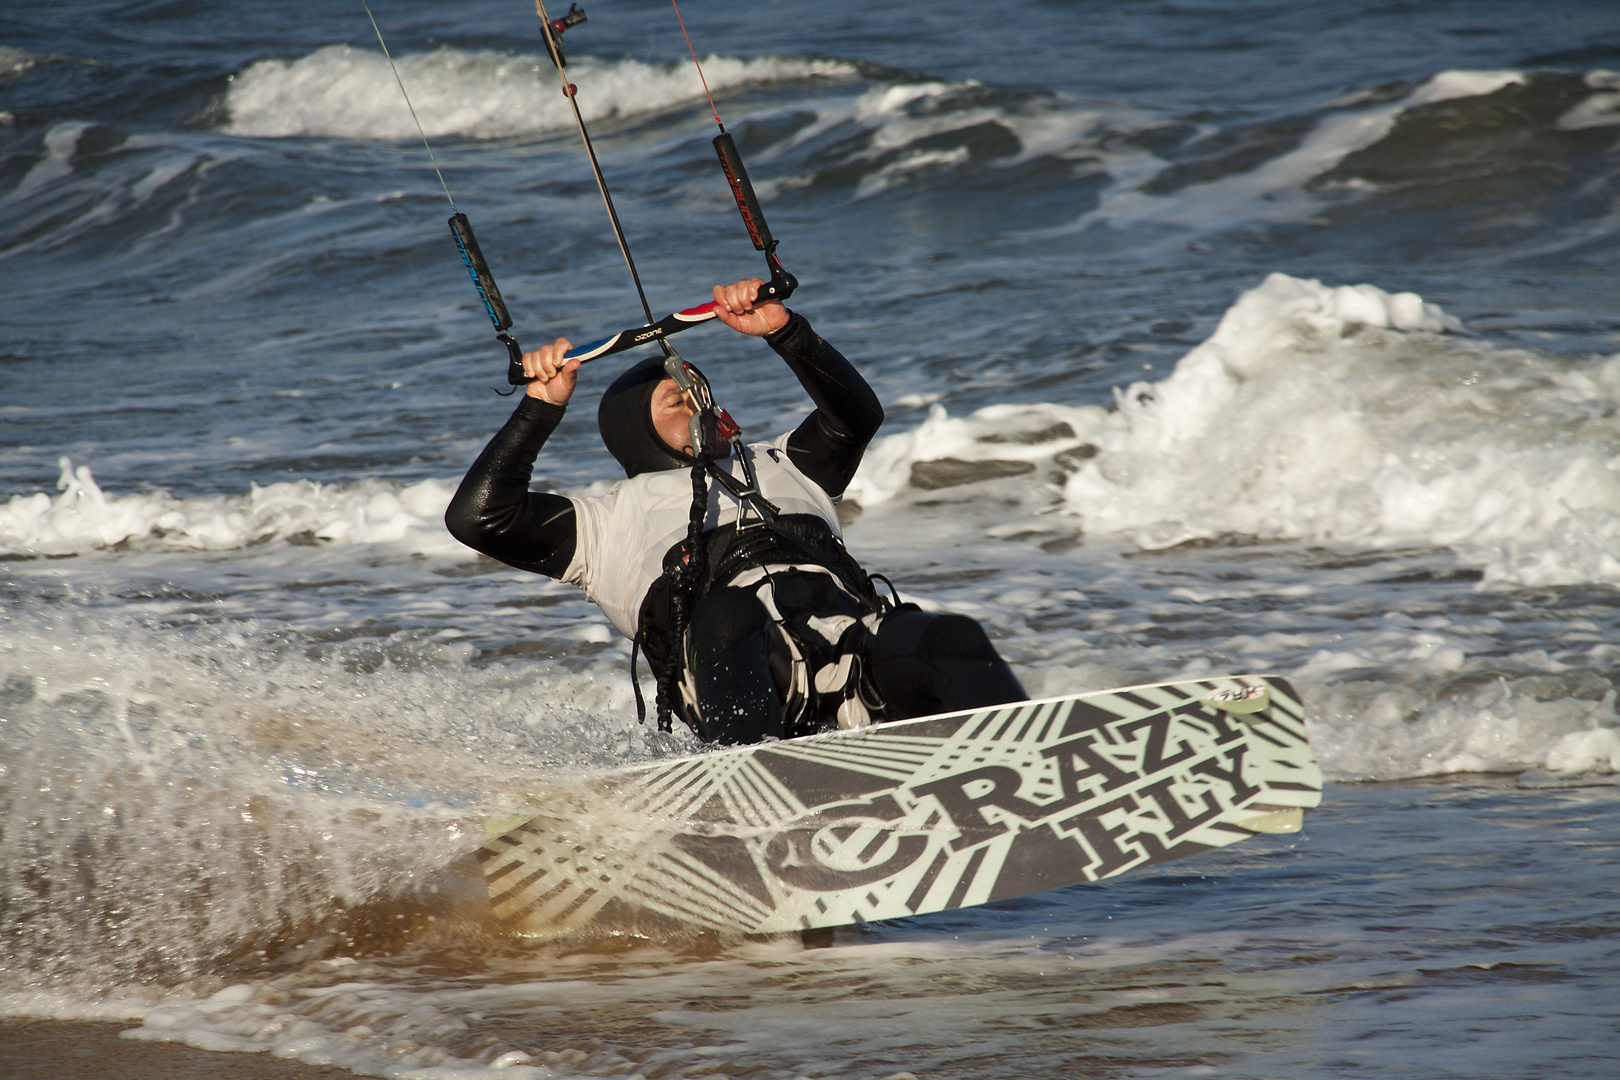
{"points": [[743, 191], [483, 280], [575, 16]]}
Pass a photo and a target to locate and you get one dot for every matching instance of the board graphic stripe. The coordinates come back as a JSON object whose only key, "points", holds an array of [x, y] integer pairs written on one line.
{"points": [[862, 743], [690, 900], [1288, 705], [1254, 730], [914, 901], [750, 803], [887, 762], [1231, 827], [726, 836], [666, 782], [1012, 716], [1162, 700], [883, 766], [559, 901], [521, 893], [698, 874], [764, 795], [1294, 725], [980, 723], [492, 876], [703, 787], [521, 884], [688, 883], [577, 903], [1298, 735], [543, 900], [1031, 718], [966, 880], [1060, 713]]}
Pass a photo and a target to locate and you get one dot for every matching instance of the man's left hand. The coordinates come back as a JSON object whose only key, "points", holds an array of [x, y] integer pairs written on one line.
{"points": [[736, 308]]}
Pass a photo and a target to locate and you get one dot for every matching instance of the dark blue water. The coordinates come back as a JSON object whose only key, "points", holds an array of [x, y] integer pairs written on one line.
{"points": [[256, 700]]}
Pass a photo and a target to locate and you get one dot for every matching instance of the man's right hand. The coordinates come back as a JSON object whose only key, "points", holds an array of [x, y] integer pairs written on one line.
{"points": [[554, 377]]}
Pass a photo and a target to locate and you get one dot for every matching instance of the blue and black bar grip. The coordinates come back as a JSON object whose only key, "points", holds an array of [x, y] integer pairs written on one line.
{"points": [[484, 281]]}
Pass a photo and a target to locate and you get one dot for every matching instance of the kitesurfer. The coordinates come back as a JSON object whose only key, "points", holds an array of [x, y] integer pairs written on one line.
{"points": [[786, 634]]}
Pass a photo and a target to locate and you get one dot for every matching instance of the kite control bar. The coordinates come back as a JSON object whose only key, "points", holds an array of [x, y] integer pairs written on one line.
{"points": [[782, 283], [779, 287], [484, 281]]}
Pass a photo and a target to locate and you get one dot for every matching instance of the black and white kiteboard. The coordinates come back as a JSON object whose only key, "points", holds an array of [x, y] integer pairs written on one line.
{"points": [[913, 817]]}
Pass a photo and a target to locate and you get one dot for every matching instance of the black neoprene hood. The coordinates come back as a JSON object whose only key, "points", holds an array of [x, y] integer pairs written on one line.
{"points": [[625, 419]]}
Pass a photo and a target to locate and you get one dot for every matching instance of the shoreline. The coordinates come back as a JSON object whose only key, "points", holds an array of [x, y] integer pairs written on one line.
{"points": [[33, 1049]]}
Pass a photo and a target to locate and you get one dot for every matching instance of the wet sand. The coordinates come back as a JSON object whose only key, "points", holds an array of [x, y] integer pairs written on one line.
{"points": [[92, 1050]]}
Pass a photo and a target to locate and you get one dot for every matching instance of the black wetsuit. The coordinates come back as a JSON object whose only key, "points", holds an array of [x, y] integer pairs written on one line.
{"points": [[922, 663]]}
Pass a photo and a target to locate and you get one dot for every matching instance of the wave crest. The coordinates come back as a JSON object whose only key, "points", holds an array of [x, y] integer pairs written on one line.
{"points": [[350, 93], [1331, 414], [84, 517]]}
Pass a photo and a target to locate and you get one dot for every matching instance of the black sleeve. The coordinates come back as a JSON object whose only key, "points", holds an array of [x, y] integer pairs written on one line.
{"points": [[495, 512], [828, 446]]}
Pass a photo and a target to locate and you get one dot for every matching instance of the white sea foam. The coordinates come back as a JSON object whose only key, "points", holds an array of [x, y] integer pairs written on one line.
{"points": [[61, 142], [905, 121], [14, 62], [212, 785], [227, 787], [1338, 414], [1599, 109], [1389, 728], [350, 93], [1275, 191], [890, 174], [83, 517], [360, 1016]]}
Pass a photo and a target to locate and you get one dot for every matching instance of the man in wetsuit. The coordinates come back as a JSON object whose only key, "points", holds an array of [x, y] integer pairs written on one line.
{"points": [[784, 634]]}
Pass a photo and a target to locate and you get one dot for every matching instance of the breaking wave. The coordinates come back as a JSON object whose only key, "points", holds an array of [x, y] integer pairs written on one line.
{"points": [[1342, 414], [83, 517], [350, 93], [1277, 189], [1601, 109], [1348, 415], [858, 136]]}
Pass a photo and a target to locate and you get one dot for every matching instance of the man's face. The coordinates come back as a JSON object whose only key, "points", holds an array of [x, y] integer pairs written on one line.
{"points": [[671, 415]]}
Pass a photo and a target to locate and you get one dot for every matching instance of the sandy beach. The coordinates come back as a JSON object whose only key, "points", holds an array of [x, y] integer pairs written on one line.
{"points": [[93, 1050]]}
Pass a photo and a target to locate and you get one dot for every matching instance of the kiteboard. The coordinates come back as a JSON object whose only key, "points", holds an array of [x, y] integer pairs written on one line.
{"points": [[916, 816]]}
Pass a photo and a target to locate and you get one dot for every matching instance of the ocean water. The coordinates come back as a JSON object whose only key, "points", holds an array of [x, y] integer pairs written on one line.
{"points": [[1214, 337]]}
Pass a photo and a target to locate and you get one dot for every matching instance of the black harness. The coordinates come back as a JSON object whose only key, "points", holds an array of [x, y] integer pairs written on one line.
{"points": [[821, 579]]}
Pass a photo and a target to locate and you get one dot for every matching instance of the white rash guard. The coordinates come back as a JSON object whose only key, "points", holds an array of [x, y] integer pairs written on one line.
{"points": [[622, 537]]}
